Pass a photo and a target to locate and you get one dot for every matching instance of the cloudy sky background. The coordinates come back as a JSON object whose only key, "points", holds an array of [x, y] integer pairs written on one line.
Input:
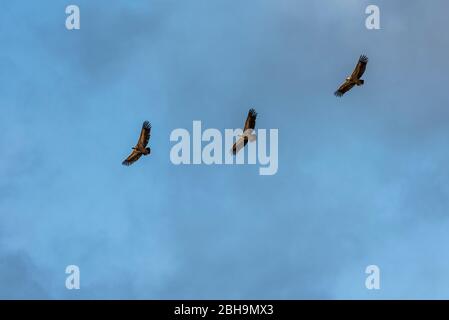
{"points": [[362, 180]]}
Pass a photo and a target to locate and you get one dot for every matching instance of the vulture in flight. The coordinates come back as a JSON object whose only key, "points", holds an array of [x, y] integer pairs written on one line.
{"points": [[247, 135], [141, 146], [354, 79]]}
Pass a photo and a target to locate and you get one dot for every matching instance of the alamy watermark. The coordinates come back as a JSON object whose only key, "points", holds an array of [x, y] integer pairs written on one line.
{"points": [[372, 22], [372, 281], [189, 148], [73, 279], [72, 22]]}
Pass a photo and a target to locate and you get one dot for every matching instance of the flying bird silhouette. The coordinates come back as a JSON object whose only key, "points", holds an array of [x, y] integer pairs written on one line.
{"points": [[141, 146], [247, 135], [354, 79]]}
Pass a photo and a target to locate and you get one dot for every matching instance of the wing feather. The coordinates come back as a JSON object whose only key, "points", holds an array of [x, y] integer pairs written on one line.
{"points": [[239, 144], [250, 122], [133, 157], [145, 134], [360, 67], [345, 87]]}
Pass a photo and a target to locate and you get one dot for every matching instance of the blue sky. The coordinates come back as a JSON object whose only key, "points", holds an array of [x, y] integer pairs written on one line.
{"points": [[362, 180]]}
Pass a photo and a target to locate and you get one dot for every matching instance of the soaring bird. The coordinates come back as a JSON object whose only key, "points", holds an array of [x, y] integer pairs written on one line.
{"points": [[247, 135], [141, 146], [354, 79]]}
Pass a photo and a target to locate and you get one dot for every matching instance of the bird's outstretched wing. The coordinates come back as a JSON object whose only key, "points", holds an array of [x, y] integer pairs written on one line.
{"points": [[133, 157], [250, 122], [360, 67], [345, 87], [239, 144], [145, 134]]}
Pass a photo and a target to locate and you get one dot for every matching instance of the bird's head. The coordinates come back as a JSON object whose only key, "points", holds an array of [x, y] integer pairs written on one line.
{"points": [[348, 78]]}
